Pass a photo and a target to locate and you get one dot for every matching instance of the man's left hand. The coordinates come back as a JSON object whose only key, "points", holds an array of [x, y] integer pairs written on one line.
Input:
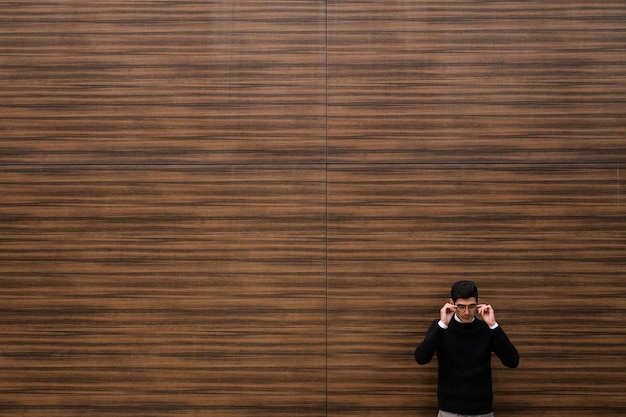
{"points": [[487, 313]]}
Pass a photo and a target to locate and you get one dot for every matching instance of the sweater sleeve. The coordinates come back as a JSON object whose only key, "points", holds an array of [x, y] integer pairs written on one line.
{"points": [[425, 350], [504, 349]]}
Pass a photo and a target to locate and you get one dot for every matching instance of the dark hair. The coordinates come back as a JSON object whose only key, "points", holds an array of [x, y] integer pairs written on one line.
{"points": [[464, 289]]}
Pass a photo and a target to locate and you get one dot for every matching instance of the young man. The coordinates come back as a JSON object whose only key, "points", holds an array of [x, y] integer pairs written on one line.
{"points": [[463, 345]]}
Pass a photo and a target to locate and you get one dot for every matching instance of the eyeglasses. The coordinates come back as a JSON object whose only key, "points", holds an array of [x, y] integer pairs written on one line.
{"points": [[463, 306]]}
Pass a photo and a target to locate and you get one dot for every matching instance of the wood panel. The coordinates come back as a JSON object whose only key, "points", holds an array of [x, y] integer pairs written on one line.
{"points": [[250, 207], [162, 291], [467, 81], [546, 245], [162, 82]]}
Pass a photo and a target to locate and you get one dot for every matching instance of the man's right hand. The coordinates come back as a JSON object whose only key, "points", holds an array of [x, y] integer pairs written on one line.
{"points": [[447, 312]]}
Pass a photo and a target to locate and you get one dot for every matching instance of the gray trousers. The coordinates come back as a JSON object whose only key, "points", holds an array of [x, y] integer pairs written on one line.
{"points": [[446, 414]]}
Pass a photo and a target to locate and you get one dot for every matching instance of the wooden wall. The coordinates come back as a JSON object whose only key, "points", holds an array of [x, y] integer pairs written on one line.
{"points": [[256, 208]]}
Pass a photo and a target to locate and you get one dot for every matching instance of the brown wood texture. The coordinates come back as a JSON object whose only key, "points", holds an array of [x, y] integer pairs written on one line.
{"points": [[163, 82], [255, 208], [162, 291], [457, 81], [546, 246]]}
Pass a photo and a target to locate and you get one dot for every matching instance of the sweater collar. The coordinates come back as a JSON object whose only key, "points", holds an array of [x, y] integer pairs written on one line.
{"points": [[458, 320]]}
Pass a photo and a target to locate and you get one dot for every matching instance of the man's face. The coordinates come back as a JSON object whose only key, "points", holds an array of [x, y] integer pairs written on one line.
{"points": [[466, 308]]}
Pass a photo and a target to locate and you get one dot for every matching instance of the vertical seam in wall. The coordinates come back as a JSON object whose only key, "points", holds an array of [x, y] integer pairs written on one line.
{"points": [[618, 190], [326, 197]]}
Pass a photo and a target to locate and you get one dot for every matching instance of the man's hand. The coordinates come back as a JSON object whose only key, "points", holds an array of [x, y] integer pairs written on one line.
{"points": [[447, 312], [487, 313]]}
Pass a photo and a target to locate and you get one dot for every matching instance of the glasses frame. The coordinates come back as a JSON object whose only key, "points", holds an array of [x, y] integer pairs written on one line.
{"points": [[463, 307]]}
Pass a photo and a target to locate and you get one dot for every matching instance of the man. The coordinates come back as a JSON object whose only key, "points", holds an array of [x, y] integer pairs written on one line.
{"points": [[464, 345]]}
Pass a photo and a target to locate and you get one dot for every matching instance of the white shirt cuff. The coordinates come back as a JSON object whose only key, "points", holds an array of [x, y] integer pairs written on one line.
{"points": [[443, 326]]}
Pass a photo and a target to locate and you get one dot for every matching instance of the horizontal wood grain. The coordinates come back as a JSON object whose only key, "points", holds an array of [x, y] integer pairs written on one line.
{"points": [[256, 207], [170, 291], [545, 245], [162, 82], [465, 81]]}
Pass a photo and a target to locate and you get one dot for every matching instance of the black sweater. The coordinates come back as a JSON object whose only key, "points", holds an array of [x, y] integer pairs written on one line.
{"points": [[464, 358]]}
